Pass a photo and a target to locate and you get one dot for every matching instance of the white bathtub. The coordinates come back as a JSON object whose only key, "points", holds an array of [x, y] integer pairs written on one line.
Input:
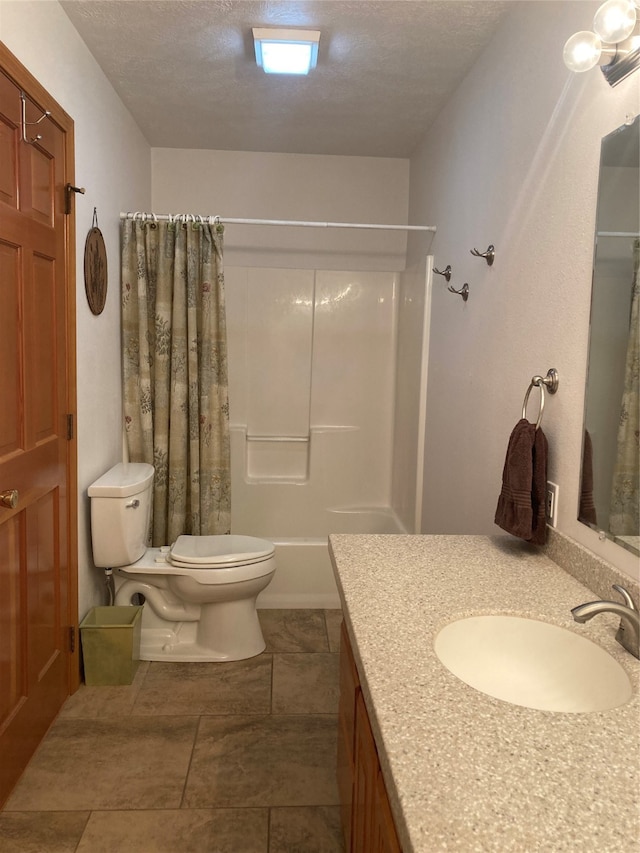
{"points": [[304, 575]]}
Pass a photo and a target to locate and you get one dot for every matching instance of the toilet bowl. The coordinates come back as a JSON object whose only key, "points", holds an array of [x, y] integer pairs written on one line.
{"points": [[199, 594]]}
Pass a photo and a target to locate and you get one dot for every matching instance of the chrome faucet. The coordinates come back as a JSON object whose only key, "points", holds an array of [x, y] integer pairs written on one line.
{"points": [[628, 634]]}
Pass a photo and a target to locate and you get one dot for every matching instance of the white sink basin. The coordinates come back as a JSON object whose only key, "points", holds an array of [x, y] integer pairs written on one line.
{"points": [[532, 663]]}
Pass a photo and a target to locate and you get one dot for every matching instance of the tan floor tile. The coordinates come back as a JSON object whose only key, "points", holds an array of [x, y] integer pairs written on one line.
{"points": [[109, 702], [263, 761], [294, 630], [37, 832], [177, 831], [305, 684], [91, 764], [312, 829], [237, 687], [333, 619]]}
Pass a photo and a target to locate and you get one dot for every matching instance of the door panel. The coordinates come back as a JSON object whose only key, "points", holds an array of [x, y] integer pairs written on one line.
{"points": [[11, 669], [36, 457], [41, 342], [42, 185], [10, 426], [9, 136], [7, 165]]}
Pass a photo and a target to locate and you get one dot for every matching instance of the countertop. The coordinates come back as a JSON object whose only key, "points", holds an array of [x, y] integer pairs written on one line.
{"points": [[466, 772]]}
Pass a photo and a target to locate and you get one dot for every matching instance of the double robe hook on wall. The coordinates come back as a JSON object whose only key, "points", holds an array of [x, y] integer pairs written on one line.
{"points": [[489, 257], [446, 272], [464, 291]]}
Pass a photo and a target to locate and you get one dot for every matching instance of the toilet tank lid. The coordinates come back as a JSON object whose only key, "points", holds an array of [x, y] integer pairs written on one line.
{"points": [[123, 480]]}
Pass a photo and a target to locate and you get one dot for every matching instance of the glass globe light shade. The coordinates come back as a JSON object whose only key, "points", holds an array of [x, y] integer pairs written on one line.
{"points": [[582, 51], [615, 20]]}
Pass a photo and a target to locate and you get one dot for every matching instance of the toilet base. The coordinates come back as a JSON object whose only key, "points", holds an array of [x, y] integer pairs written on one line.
{"points": [[158, 644], [171, 630], [225, 632]]}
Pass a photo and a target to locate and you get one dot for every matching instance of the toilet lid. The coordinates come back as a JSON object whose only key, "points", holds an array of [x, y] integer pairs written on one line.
{"points": [[213, 551]]}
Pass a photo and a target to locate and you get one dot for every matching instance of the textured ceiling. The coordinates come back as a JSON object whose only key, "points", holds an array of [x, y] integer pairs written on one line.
{"points": [[186, 70]]}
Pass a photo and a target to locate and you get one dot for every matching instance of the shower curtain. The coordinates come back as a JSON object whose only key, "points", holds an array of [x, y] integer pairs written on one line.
{"points": [[175, 386], [625, 505]]}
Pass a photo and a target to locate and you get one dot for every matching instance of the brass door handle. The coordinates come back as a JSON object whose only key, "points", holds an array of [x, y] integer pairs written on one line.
{"points": [[9, 498]]}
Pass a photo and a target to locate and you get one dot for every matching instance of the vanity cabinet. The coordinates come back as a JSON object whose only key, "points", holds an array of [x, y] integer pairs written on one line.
{"points": [[367, 821]]}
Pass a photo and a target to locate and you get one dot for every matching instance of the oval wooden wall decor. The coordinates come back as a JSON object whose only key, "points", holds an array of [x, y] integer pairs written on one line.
{"points": [[95, 270]]}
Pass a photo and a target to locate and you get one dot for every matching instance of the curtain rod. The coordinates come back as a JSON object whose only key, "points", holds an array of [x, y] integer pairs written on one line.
{"points": [[189, 217]]}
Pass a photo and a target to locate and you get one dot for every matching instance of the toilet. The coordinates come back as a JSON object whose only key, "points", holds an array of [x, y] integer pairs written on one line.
{"points": [[199, 593]]}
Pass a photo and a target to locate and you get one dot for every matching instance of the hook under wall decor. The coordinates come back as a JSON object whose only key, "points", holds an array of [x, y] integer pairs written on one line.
{"points": [[464, 291], [489, 255]]}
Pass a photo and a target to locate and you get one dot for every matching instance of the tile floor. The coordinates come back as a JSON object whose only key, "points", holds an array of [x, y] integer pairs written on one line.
{"points": [[194, 758]]}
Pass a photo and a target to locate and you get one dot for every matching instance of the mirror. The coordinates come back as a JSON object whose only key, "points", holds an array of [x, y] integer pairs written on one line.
{"points": [[610, 464]]}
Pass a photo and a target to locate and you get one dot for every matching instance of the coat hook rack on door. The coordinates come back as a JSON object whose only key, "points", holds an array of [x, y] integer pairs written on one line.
{"points": [[25, 123]]}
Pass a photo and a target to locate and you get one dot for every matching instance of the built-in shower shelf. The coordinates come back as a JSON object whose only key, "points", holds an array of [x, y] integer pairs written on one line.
{"points": [[277, 458]]}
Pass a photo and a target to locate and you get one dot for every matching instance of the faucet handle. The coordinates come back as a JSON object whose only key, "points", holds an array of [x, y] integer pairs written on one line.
{"points": [[625, 594]]}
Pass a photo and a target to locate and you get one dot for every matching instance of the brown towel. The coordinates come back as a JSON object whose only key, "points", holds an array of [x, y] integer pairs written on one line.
{"points": [[587, 511], [521, 505]]}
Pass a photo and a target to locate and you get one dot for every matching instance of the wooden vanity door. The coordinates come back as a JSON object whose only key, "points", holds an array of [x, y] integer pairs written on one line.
{"points": [[37, 457], [367, 820]]}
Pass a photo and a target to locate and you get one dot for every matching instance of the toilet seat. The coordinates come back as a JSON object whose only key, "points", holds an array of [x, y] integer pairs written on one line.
{"points": [[238, 558], [219, 551]]}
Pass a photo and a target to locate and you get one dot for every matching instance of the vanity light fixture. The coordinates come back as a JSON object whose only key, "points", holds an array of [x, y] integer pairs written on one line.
{"points": [[614, 44], [286, 51]]}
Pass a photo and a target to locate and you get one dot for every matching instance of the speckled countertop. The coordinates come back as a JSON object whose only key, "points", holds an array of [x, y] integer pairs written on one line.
{"points": [[466, 772]]}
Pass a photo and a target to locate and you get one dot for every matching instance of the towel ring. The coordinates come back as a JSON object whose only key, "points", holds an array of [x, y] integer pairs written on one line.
{"points": [[550, 382]]}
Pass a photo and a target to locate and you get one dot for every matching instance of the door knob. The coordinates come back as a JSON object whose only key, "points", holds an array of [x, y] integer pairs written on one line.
{"points": [[9, 498]]}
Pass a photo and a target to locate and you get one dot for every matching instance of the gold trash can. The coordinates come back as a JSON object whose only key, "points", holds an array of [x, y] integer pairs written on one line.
{"points": [[111, 644]]}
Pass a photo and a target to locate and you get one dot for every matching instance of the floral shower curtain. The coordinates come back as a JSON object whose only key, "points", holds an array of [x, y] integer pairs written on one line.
{"points": [[176, 404], [624, 517]]}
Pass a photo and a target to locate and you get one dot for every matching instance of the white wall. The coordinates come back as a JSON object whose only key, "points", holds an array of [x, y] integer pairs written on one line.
{"points": [[513, 160], [249, 185], [311, 363], [113, 164], [328, 299], [413, 322]]}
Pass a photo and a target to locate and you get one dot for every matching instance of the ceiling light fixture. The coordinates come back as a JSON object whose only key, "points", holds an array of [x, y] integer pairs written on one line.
{"points": [[283, 51], [614, 45]]}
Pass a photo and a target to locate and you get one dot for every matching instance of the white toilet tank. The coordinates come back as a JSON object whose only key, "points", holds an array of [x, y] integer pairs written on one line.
{"points": [[120, 513]]}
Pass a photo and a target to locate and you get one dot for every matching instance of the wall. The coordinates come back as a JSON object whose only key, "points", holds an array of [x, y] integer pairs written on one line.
{"points": [[513, 160], [413, 325], [250, 185], [322, 352], [311, 363], [113, 164]]}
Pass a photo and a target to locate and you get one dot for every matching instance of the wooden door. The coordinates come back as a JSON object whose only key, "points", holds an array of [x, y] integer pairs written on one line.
{"points": [[38, 593]]}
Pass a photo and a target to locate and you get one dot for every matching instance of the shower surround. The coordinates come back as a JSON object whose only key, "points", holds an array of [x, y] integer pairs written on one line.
{"points": [[312, 388]]}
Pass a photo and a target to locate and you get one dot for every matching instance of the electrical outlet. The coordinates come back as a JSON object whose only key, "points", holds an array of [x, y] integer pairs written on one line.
{"points": [[551, 503]]}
